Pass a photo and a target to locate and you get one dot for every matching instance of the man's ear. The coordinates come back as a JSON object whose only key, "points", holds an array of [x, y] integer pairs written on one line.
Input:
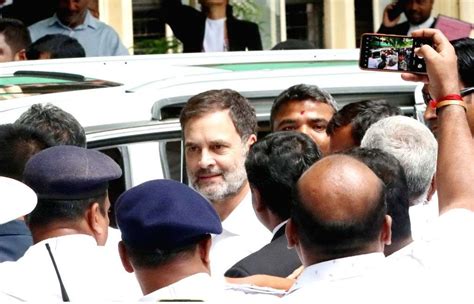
{"points": [[432, 189], [20, 55], [95, 220], [258, 204], [124, 257], [291, 232], [250, 141], [204, 247], [386, 235]]}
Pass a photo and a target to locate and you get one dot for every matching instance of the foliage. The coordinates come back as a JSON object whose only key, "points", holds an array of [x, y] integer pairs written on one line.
{"points": [[246, 9], [157, 46]]}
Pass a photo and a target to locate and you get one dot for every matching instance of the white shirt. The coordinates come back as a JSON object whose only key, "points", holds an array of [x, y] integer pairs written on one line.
{"points": [[449, 240], [355, 279], [197, 287], [373, 63], [277, 227], [201, 287], [422, 216], [425, 24], [444, 257], [89, 273], [214, 36], [242, 234]]}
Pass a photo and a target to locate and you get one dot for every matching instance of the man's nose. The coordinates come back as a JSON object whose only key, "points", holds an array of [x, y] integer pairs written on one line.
{"points": [[206, 159], [430, 113], [304, 129]]}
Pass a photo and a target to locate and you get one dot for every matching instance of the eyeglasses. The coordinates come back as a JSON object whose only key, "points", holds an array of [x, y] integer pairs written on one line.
{"points": [[467, 91], [431, 103]]}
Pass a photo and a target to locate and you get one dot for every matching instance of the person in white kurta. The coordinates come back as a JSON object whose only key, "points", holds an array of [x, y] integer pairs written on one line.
{"points": [[446, 249]]}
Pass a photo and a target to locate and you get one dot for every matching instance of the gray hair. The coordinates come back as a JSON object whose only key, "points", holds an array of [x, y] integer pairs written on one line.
{"points": [[413, 145]]}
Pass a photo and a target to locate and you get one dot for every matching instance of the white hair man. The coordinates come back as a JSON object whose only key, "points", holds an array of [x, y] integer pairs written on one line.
{"points": [[416, 149]]}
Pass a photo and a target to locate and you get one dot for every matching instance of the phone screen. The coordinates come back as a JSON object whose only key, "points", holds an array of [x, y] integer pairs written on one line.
{"points": [[391, 53]]}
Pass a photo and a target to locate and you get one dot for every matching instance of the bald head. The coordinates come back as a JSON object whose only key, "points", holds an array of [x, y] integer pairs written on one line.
{"points": [[346, 192], [339, 207]]}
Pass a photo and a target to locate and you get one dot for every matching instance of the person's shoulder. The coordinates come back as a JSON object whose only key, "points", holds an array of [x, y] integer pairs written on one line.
{"points": [[42, 23], [101, 26], [272, 259]]}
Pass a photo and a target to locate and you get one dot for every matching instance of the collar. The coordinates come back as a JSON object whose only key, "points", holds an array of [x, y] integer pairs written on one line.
{"points": [[339, 269], [233, 223], [426, 24], [69, 241], [177, 289], [277, 228], [89, 21]]}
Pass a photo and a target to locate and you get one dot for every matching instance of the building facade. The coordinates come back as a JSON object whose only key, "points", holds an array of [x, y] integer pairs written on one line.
{"points": [[325, 23]]}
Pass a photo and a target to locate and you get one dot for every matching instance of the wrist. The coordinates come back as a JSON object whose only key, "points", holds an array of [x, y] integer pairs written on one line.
{"points": [[434, 102], [448, 100]]}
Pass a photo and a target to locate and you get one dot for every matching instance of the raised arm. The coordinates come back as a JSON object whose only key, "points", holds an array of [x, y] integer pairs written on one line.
{"points": [[455, 171]]}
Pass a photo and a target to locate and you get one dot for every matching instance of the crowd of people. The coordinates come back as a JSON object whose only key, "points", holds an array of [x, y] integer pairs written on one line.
{"points": [[69, 29], [72, 29], [335, 204], [390, 59]]}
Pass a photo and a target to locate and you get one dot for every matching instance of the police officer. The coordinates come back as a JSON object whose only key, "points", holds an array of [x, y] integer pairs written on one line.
{"points": [[166, 237], [69, 226]]}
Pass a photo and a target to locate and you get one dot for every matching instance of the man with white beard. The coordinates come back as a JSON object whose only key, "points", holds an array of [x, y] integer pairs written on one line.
{"points": [[219, 126]]}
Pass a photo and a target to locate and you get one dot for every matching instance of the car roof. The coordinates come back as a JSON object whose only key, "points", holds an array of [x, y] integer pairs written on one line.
{"points": [[156, 87]]}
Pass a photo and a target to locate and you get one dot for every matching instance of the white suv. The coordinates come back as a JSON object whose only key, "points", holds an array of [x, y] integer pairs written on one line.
{"points": [[129, 106]]}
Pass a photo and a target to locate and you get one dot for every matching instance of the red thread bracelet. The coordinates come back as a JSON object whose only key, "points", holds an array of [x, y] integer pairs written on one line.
{"points": [[451, 97], [433, 102]]}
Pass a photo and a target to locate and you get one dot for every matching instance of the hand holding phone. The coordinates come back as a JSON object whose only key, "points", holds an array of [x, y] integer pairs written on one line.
{"points": [[391, 53]]}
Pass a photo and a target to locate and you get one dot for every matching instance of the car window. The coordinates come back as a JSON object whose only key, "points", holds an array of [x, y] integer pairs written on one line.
{"points": [[30, 83]]}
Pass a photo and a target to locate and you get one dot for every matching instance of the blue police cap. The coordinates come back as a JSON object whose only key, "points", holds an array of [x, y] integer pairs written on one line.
{"points": [[70, 173], [164, 215]]}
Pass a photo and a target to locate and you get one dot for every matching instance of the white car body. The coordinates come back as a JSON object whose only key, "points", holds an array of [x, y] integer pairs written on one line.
{"points": [[132, 118]]}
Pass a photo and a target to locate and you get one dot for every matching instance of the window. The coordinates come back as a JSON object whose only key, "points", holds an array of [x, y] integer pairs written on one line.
{"points": [[39, 82]]}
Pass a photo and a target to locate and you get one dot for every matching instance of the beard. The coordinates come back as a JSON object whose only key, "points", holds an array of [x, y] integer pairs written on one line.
{"points": [[233, 180]]}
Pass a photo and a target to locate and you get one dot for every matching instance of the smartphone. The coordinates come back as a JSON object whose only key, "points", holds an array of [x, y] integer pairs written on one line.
{"points": [[391, 53]]}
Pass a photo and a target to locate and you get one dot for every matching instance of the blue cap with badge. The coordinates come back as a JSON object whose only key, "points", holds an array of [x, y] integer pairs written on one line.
{"points": [[164, 215], [70, 173]]}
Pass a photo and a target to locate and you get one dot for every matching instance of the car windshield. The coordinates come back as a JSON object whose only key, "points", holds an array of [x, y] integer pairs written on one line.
{"points": [[23, 83]]}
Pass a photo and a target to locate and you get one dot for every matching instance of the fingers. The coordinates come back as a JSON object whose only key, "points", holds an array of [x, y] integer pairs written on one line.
{"points": [[415, 77], [426, 52], [439, 40], [295, 274]]}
